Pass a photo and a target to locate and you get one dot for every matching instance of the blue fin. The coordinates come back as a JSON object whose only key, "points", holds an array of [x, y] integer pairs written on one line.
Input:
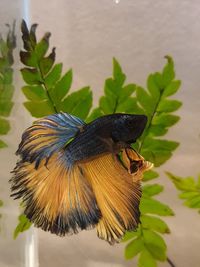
{"points": [[47, 136]]}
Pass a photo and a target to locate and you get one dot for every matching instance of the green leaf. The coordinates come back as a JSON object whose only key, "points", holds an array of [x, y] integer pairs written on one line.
{"points": [[5, 107], [189, 194], [152, 206], [149, 175], [1, 203], [31, 76], [157, 130], [26, 36], [2, 144], [8, 76], [116, 93], [194, 202], [94, 114], [158, 151], [78, 103], [169, 105], [158, 156], [118, 75], [46, 63], [53, 76], [129, 105], [168, 72], [146, 259], [32, 34], [39, 109], [151, 190], [34, 93], [23, 225], [110, 88], [190, 190], [42, 47], [28, 58], [133, 248], [155, 244], [3, 47], [153, 88], [6, 93], [130, 235], [4, 126], [157, 144], [198, 182], [145, 100], [154, 223], [126, 91], [187, 184], [62, 87], [107, 104], [172, 88], [165, 120]]}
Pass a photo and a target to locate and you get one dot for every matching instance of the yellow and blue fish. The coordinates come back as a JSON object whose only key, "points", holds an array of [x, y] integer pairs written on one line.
{"points": [[73, 176]]}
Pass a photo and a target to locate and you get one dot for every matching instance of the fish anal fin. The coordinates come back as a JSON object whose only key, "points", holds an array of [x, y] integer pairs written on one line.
{"points": [[117, 196]]}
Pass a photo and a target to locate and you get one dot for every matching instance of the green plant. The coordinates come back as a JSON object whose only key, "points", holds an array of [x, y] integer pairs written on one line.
{"points": [[1, 204], [7, 46], [6, 79], [46, 89], [156, 104], [47, 92], [189, 188]]}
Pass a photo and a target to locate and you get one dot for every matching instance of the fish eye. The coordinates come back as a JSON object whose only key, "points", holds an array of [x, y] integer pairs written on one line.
{"points": [[130, 122]]}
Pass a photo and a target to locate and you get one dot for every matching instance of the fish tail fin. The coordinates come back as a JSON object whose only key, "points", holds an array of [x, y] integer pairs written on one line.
{"points": [[118, 196], [56, 199], [48, 135]]}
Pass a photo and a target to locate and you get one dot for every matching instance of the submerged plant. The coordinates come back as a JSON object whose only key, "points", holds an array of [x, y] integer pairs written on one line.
{"points": [[7, 46], [46, 89], [189, 188], [47, 93], [6, 80], [156, 104]]}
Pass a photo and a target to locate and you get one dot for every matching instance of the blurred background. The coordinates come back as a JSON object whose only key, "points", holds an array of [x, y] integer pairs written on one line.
{"points": [[87, 34]]}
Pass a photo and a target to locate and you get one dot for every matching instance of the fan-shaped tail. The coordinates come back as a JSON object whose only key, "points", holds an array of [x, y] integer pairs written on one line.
{"points": [[56, 199]]}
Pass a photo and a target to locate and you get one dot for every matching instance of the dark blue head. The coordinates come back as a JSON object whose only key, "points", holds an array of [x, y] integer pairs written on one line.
{"points": [[127, 127]]}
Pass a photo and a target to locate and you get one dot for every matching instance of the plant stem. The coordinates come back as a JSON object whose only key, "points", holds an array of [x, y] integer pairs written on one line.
{"points": [[43, 81], [149, 124], [50, 99], [116, 104], [46, 89], [141, 144], [170, 262]]}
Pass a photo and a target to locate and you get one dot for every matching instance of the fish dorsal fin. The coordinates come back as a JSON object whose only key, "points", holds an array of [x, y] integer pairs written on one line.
{"points": [[47, 136]]}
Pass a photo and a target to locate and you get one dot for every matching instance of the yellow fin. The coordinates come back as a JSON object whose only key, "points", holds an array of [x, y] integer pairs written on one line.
{"points": [[117, 196], [135, 163], [56, 199]]}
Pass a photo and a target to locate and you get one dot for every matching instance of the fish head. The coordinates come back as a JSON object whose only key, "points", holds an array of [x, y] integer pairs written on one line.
{"points": [[128, 127]]}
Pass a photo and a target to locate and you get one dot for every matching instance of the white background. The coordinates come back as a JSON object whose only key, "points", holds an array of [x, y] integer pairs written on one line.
{"points": [[139, 34]]}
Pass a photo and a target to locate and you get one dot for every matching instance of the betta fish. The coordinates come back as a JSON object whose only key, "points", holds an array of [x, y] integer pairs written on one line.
{"points": [[73, 176]]}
